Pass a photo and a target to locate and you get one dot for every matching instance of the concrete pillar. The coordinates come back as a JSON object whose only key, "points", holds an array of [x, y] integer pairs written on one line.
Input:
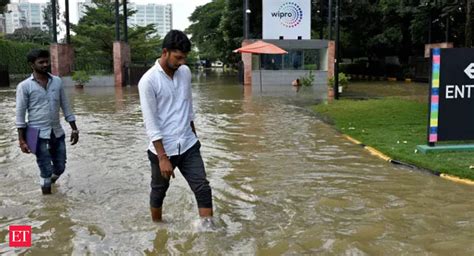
{"points": [[331, 58], [62, 59], [247, 60], [121, 63]]}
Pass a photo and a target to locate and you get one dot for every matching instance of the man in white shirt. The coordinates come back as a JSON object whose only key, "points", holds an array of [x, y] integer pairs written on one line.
{"points": [[166, 103]]}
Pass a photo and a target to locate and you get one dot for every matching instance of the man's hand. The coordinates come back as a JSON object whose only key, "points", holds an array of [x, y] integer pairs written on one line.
{"points": [[24, 147], [74, 137], [165, 167]]}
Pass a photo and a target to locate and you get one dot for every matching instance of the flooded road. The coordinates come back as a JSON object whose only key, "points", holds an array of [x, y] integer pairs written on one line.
{"points": [[283, 181]]}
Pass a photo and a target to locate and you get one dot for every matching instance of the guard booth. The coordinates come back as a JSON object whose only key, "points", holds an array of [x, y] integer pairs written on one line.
{"points": [[4, 76], [287, 24], [304, 58]]}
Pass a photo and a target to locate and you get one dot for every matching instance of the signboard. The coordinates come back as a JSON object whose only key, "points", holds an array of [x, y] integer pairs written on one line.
{"points": [[290, 19], [451, 114]]}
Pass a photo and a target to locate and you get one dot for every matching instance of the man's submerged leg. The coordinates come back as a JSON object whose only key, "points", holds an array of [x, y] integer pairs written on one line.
{"points": [[155, 214], [58, 154], [43, 159], [159, 185], [192, 168]]}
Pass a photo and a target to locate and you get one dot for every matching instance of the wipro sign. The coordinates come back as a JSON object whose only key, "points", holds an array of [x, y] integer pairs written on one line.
{"points": [[287, 19], [290, 14]]}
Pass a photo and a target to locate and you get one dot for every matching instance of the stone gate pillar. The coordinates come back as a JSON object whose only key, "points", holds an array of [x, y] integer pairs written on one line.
{"points": [[121, 63], [62, 59], [247, 60]]}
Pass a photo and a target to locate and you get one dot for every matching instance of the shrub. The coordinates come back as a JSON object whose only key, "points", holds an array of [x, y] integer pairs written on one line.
{"points": [[308, 79], [13, 54], [343, 80], [81, 77]]}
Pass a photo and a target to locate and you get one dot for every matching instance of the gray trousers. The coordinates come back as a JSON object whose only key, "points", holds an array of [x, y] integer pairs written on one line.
{"points": [[192, 167]]}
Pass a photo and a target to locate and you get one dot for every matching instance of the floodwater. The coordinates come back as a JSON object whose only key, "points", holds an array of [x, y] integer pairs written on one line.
{"points": [[284, 182]]}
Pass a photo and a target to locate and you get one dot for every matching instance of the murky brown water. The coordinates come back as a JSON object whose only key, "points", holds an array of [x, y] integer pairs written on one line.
{"points": [[284, 183]]}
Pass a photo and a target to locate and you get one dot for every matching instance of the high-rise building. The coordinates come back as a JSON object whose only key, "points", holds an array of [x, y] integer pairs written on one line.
{"points": [[161, 15], [14, 18], [2, 24], [24, 15], [33, 13]]}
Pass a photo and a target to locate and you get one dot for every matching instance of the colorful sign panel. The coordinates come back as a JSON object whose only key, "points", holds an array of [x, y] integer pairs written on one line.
{"points": [[287, 19], [451, 109]]}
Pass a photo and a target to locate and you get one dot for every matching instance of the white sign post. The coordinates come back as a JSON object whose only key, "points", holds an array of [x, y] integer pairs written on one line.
{"points": [[287, 19]]}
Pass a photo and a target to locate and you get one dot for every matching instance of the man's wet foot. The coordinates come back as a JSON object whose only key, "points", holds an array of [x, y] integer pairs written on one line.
{"points": [[46, 190], [207, 224], [54, 178]]}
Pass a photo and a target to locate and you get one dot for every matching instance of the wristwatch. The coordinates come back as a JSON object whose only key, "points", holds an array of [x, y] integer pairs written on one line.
{"points": [[75, 132]]}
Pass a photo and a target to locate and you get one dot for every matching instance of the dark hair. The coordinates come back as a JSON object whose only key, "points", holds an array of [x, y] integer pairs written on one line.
{"points": [[35, 54], [177, 40]]}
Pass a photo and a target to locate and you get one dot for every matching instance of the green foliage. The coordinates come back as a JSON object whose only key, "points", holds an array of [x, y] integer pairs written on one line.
{"points": [[343, 80], [13, 54], [3, 4], [30, 35], [395, 127], [205, 29], [81, 77], [48, 18], [373, 29], [144, 46], [308, 79], [95, 34]]}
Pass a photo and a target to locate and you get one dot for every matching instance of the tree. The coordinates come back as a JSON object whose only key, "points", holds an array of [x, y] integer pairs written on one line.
{"points": [[30, 35], [205, 30], [95, 34], [3, 5], [48, 18], [231, 25], [145, 44]]}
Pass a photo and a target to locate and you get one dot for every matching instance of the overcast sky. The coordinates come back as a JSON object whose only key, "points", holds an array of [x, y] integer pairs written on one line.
{"points": [[182, 9]]}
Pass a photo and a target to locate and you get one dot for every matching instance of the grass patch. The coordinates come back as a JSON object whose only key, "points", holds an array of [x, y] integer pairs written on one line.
{"points": [[395, 126]]}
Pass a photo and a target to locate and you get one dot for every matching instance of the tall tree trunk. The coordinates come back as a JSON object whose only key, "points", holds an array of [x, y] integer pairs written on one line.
{"points": [[468, 27]]}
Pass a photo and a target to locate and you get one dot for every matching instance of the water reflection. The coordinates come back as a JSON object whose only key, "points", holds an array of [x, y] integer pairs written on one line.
{"points": [[284, 183]]}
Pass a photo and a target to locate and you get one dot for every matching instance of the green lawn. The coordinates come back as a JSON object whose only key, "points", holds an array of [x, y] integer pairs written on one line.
{"points": [[395, 127]]}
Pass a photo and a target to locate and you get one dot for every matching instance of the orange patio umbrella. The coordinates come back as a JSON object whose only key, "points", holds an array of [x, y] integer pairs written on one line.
{"points": [[261, 47]]}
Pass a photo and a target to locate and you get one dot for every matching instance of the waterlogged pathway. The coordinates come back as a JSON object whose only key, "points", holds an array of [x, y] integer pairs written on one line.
{"points": [[284, 183]]}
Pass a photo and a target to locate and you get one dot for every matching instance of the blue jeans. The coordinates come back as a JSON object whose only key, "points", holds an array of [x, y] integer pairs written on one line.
{"points": [[191, 166], [51, 158]]}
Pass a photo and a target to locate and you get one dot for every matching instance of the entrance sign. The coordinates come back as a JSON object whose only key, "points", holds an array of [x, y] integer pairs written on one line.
{"points": [[290, 19], [451, 108]]}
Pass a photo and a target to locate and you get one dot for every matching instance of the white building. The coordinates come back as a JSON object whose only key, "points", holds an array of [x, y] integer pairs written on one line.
{"points": [[24, 15], [161, 15], [33, 13], [158, 14], [2, 24]]}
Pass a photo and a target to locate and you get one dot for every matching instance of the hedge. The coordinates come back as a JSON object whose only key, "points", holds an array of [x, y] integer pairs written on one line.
{"points": [[13, 55]]}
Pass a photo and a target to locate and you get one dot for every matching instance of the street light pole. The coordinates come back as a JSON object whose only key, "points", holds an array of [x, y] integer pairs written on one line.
{"points": [[330, 19], [125, 22], [117, 21], [246, 19], [54, 11], [336, 57], [68, 32]]}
